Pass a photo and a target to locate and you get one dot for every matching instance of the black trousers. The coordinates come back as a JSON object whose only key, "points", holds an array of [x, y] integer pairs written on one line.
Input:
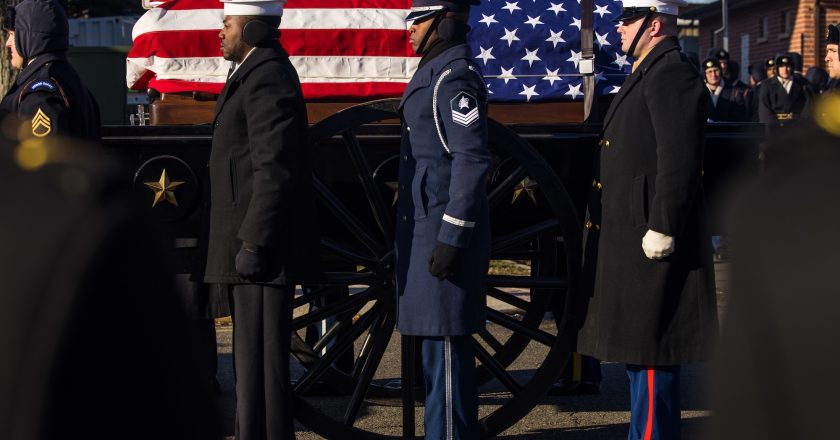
{"points": [[262, 320]]}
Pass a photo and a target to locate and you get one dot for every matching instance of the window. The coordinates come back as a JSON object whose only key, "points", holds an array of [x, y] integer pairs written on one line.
{"points": [[763, 29], [787, 24]]}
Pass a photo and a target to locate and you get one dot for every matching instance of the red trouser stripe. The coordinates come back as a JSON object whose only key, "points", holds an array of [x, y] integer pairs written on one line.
{"points": [[649, 424]]}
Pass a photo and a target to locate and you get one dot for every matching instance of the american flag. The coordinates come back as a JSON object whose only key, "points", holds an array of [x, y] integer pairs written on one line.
{"points": [[359, 49]]}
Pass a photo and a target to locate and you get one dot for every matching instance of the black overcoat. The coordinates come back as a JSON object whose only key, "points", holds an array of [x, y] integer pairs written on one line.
{"points": [[730, 106], [90, 322], [776, 105], [645, 311], [260, 174]]}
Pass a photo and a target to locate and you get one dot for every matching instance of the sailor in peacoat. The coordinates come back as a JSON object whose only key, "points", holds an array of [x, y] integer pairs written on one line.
{"points": [[784, 98], [726, 103], [653, 306], [443, 228], [262, 235]]}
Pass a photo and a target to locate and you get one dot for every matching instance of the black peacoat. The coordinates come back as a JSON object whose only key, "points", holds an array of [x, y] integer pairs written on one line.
{"points": [[776, 106], [730, 106], [260, 174], [645, 311]]}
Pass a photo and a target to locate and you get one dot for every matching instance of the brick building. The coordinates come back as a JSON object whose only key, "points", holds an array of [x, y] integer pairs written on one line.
{"points": [[759, 29]]}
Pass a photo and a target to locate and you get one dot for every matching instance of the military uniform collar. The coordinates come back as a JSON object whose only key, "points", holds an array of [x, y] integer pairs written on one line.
{"points": [[36, 64], [256, 57], [453, 53], [665, 46], [423, 76]]}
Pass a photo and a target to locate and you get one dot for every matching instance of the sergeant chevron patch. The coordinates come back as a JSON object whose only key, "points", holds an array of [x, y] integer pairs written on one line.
{"points": [[41, 124], [464, 109]]}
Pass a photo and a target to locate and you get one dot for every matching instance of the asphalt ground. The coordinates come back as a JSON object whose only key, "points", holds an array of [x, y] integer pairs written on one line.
{"points": [[591, 417]]}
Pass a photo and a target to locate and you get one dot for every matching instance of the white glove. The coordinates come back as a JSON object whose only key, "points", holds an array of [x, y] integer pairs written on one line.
{"points": [[657, 245]]}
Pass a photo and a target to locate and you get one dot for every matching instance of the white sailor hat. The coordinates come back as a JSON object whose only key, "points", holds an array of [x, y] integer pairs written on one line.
{"points": [[254, 7], [637, 8]]}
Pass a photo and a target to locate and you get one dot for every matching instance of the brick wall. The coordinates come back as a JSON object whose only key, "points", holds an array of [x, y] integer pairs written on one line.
{"points": [[762, 45]]}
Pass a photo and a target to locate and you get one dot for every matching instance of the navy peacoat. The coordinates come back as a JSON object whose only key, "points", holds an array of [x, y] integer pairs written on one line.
{"points": [[444, 162], [260, 175], [643, 311]]}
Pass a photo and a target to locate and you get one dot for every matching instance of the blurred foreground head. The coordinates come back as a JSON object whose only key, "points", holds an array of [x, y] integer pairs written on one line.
{"points": [[777, 367], [90, 332]]}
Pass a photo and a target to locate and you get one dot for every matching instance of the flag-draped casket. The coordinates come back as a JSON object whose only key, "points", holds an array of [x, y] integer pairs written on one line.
{"points": [[529, 50]]}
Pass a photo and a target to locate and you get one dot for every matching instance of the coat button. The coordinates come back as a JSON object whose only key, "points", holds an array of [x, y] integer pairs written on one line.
{"points": [[588, 224], [405, 158], [408, 128], [405, 218], [599, 185]]}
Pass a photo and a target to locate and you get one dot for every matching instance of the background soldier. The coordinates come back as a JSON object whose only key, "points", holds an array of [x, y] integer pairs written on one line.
{"points": [[729, 70], [48, 92], [757, 75], [443, 231], [786, 98], [726, 104], [653, 306], [770, 67], [832, 63], [262, 237]]}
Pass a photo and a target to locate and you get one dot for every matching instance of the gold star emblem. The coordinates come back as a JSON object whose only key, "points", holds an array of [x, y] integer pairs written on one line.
{"points": [[41, 124], [527, 186], [395, 187], [163, 189]]}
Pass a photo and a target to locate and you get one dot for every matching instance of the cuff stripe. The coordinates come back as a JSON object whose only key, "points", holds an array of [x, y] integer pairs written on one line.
{"points": [[458, 222]]}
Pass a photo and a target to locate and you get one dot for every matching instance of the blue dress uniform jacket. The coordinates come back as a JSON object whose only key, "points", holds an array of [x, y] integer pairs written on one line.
{"points": [[649, 312], [444, 162]]}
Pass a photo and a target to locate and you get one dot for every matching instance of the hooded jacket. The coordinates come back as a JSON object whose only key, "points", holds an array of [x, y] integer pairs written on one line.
{"points": [[48, 92]]}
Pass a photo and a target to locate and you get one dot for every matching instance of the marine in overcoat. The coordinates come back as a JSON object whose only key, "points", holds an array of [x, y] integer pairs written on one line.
{"points": [[646, 311], [47, 93], [444, 161], [260, 174]]}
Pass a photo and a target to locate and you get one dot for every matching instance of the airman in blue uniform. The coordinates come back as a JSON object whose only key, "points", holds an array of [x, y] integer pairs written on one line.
{"points": [[443, 232]]}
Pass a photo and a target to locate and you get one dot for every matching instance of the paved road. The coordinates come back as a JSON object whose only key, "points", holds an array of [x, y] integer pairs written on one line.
{"points": [[603, 416]]}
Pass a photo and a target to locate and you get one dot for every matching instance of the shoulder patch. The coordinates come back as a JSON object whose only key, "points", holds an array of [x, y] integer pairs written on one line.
{"points": [[464, 109], [42, 85], [41, 124]]}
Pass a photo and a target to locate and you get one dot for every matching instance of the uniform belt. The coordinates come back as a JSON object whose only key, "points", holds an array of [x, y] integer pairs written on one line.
{"points": [[784, 116]]}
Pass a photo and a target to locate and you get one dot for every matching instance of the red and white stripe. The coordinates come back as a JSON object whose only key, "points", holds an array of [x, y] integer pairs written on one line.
{"points": [[342, 49]]}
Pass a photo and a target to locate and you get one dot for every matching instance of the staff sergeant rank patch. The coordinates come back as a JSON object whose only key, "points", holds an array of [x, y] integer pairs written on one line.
{"points": [[464, 109], [41, 124]]}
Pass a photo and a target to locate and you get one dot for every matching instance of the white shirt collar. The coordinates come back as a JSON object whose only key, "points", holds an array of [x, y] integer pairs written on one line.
{"points": [[786, 83], [716, 93], [243, 62]]}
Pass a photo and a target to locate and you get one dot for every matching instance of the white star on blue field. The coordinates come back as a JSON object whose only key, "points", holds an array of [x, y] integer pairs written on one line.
{"points": [[529, 50]]}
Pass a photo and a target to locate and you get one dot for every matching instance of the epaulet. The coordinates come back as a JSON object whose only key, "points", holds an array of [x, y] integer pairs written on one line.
{"points": [[43, 85]]}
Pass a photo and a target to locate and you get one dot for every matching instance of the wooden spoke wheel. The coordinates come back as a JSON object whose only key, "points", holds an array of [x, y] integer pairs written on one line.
{"points": [[536, 260]]}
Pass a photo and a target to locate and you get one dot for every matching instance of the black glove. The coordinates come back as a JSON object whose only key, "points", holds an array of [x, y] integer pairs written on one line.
{"points": [[251, 262], [444, 261]]}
